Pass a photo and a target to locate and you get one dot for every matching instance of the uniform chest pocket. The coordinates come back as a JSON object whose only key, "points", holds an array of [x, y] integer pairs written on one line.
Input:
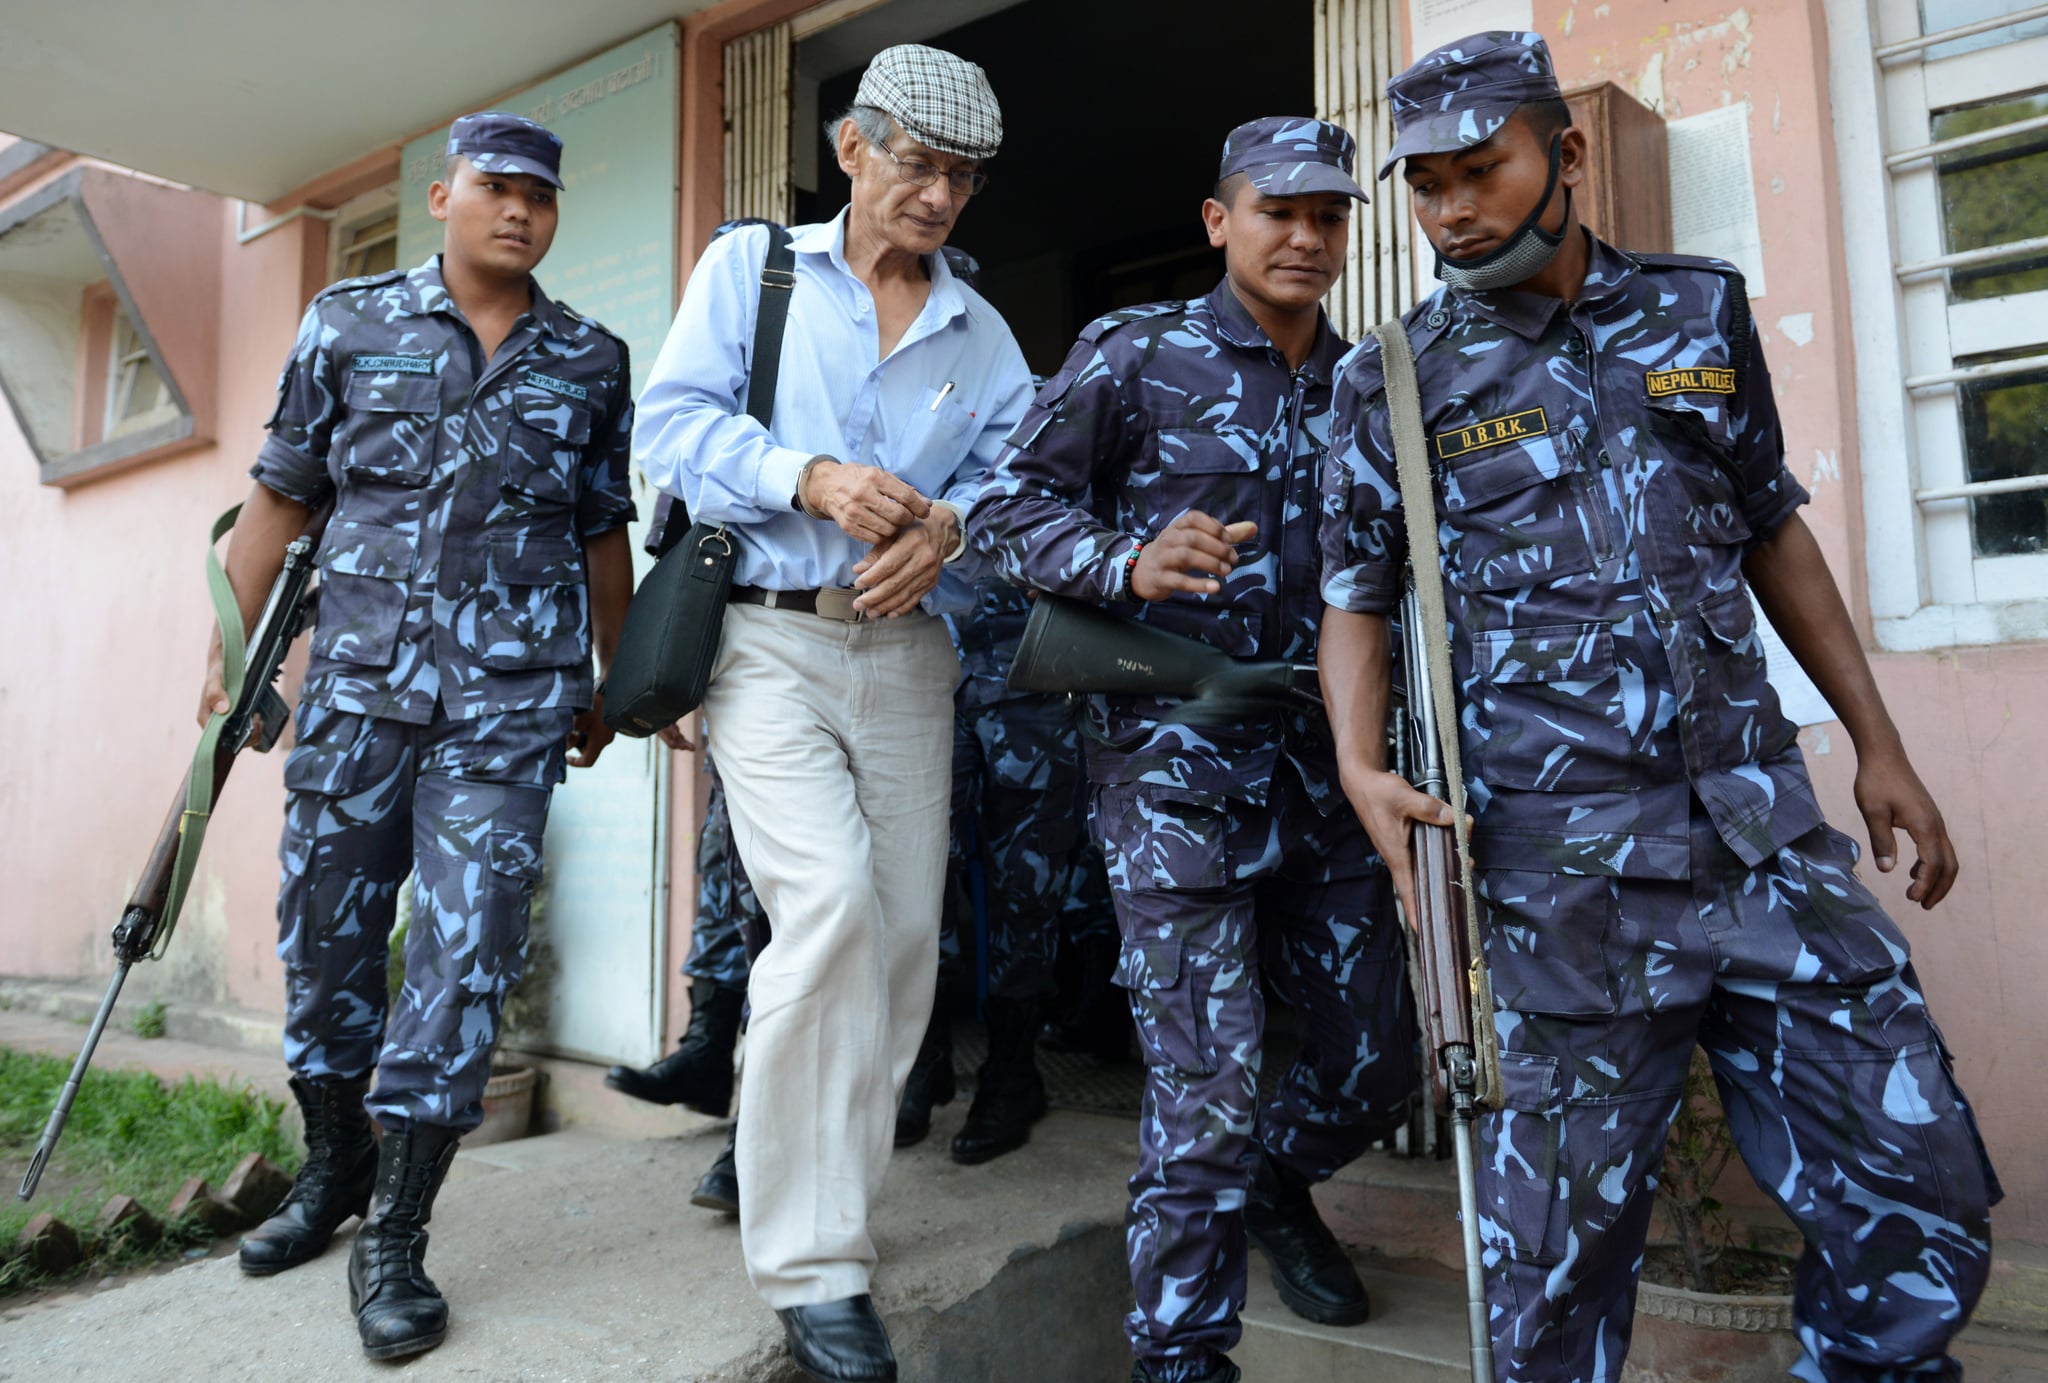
{"points": [[1518, 514], [392, 431], [1696, 439], [544, 447], [1217, 474], [1551, 712], [531, 613], [365, 571]]}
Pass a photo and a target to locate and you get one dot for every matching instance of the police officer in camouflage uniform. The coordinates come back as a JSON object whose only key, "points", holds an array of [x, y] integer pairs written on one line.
{"points": [[1016, 795], [471, 438], [1170, 470], [1610, 487]]}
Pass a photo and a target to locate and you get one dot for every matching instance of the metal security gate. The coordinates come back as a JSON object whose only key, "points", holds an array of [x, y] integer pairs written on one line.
{"points": [[1358, 47], [757, 120]]}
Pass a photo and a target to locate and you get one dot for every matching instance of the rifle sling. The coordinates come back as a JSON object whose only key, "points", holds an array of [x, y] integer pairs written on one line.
{"points": [[1418, 508]]}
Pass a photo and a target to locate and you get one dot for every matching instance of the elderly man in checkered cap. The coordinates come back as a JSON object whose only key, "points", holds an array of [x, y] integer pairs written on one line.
{"points": [[831, 696]]}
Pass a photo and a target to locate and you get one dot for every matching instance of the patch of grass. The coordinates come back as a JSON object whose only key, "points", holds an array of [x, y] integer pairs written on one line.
{"points": [[149, 1019], [129, 1134]]}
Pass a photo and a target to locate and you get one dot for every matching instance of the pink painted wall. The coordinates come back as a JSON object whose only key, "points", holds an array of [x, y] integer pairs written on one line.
{"points": [[1967, 716]]}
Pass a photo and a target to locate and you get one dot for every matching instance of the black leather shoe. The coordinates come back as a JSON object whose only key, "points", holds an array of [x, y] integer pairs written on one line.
{"points": [[398, 1308], [333, 1183], [1010, 1096], [698, 1073], [1223, 1372], [839, 1341], [1310, 1268], [719, 1188], [930, 1084]]}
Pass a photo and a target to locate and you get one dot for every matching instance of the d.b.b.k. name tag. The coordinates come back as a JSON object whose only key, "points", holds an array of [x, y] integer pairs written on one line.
{"points": [[1698, 380], [1494, 432]]}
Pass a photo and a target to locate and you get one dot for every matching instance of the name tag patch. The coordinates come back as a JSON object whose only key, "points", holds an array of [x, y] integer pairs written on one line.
{"points": [[1494, 432], [558, 386], [395, 365], [1664, 383]]}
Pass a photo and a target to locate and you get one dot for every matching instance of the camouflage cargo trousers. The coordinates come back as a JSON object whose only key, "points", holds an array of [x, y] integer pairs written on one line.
{"points": [[460, 804], [1212, 894], [726, 906], [1836, 1083], [1017, 805]]}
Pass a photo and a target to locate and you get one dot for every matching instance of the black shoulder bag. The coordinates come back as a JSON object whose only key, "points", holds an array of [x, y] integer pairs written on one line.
{"points": [[670, 639]]}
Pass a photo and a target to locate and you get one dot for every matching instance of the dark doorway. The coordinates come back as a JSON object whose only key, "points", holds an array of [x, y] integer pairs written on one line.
{"points": [[1114, 114]]}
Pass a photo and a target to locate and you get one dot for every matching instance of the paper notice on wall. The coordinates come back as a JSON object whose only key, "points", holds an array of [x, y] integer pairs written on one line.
{"points": [[1713, 193], [1433, 23], [1798, 697]]}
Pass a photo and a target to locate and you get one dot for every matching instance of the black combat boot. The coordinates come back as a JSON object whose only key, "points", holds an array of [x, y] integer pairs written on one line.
{"points": [[1098, 1022], [698, 1073], [1310, 1268], [1009, 1096], [719, 1187], [931, 1081], [333, 1184], [1222, 1371], [398, 1308]]}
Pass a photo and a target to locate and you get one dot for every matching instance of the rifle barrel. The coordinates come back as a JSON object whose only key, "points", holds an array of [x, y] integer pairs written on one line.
{"points": [[54, 1129], [1480, 1328]]}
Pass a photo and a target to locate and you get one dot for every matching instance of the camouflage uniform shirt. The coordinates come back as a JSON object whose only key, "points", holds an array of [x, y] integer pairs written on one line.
{"points": [[1159, 410], [463, 492], [1600, 469]]}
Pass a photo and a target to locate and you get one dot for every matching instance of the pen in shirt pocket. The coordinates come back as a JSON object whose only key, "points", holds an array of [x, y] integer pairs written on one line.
{"points": [[942, 396]]}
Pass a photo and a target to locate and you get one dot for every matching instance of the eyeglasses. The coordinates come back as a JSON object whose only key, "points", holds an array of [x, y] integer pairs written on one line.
{"points": [[918, 173]]}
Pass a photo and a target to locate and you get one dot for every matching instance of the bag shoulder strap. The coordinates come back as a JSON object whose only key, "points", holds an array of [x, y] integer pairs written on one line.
{"points": [[771, 317], [1418, 507]]}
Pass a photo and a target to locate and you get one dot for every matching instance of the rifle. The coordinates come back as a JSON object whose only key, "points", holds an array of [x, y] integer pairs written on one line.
{"points": [[257, 716], [1454, 993]]}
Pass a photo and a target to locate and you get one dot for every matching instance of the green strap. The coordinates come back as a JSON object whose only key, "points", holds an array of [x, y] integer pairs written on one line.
{"points": [[199, 781]]}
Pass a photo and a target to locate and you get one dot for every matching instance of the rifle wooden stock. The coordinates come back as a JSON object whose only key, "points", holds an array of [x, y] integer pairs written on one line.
{"points": [[1445, 956]]}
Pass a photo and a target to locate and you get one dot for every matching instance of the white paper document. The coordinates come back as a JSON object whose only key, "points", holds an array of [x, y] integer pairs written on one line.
{"points": [[1713, 191], [1433, 23]]}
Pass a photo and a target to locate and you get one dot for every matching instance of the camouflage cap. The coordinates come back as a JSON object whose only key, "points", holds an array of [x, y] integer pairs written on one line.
{"points": [[1463, 92], [1289, 155], [496, 142], [941, 101]]}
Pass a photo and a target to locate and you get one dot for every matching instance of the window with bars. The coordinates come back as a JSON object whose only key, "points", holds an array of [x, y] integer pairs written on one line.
{"points": [[138, 398], [364, 236], [1962, 94]]}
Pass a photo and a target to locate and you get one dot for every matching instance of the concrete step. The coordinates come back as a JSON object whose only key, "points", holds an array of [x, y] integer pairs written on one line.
{"points": [[1416, 1334]]}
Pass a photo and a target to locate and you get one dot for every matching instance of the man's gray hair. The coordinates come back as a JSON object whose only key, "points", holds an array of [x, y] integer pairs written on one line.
{"points": [[874, 125]]}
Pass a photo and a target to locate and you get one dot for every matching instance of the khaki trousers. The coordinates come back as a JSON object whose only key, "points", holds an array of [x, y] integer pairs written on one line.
{"points": [[834, 744]]}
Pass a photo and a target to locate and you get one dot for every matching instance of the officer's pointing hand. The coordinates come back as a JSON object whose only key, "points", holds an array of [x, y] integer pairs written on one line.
{"points": [[1389, 807], [1891, 797], [1192, 554], [866, 501]]}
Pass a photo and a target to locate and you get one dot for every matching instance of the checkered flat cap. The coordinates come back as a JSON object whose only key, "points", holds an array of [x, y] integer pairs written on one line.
{"points": [[941, 101]]}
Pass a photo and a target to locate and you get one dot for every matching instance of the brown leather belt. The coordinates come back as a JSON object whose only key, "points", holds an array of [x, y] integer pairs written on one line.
{"points": [[827, 602]]}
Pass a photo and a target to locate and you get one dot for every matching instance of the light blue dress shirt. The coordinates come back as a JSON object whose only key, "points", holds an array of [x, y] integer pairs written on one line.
{"points": [[834, 397]]}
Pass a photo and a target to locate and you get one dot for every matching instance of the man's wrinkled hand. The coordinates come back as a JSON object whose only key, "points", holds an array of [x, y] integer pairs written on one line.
{"points": [[1389, 808], [866, 502], [898, 573], [1193, 554], [588, 736], [1891, 797]]}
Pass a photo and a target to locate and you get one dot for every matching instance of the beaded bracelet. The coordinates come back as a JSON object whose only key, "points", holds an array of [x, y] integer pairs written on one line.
{"points": [[1123, 585]]}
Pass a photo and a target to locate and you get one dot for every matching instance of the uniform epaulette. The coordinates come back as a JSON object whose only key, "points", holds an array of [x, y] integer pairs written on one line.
{"points": [[1674, 261], [358, 284], [1124, 316], [1425, 322], [1741, 329], [599, 327]]}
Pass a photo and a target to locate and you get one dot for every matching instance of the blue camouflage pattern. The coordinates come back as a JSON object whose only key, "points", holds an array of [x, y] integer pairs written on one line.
{"points": [[1462, 93], [1290, 156], [1158, 410], [1230, 851], [1839, 1092], [496, 141], [459, 803], [727, 906], [1654, 866], [1592, 535], [1211, 895], [463, 492]]}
